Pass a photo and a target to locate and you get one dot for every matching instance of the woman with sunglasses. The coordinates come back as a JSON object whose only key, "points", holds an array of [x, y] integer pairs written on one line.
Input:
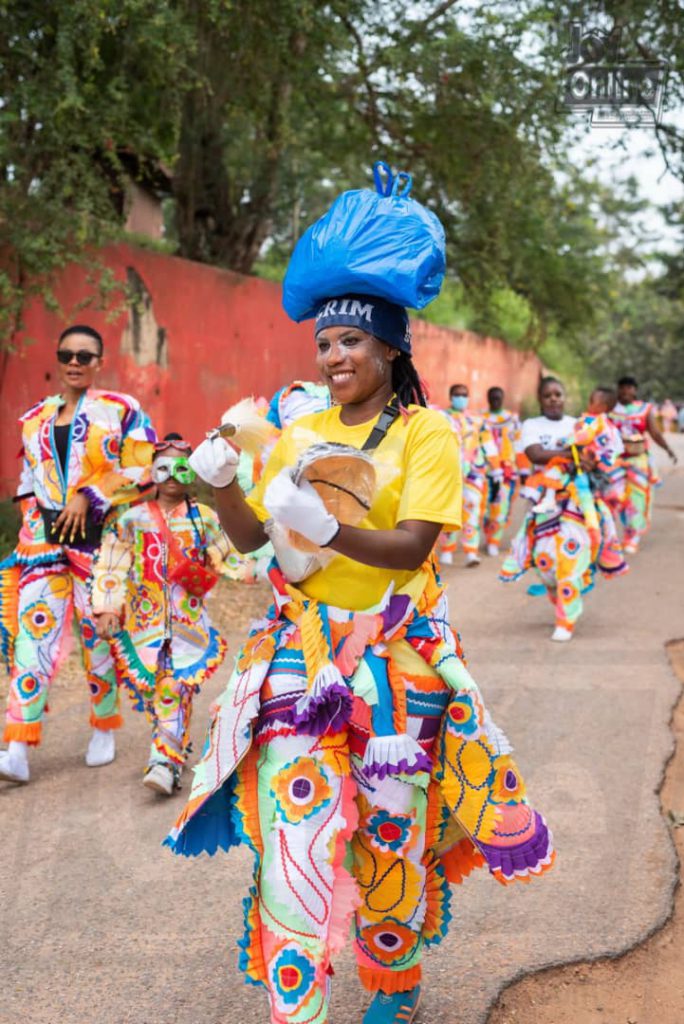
{"points": [[351, 750], [157, 562], [84, 451]]}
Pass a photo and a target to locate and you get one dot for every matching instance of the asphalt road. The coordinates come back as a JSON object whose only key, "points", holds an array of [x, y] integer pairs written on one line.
{"points": [[99, 924]]}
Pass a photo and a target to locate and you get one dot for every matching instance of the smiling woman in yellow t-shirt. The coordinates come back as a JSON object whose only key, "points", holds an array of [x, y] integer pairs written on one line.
{"points": [[351, 749]]}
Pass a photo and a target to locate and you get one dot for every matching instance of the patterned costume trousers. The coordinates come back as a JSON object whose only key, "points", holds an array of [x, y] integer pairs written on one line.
{"points": [[48, 596], [474, 497], [563, 560], [497, 510], [376, 834], [169, 710], [635, 511]]}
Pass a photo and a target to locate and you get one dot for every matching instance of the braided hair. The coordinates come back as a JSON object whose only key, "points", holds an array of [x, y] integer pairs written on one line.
{"points": [[406, 382]]}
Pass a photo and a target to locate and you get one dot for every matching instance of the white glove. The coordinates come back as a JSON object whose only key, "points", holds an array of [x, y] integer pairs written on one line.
{"points": [[215, 462], [300, 509], [296, 565]]}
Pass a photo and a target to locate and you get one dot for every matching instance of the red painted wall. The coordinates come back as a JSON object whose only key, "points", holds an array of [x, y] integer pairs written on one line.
{"points": [[226, 337]]}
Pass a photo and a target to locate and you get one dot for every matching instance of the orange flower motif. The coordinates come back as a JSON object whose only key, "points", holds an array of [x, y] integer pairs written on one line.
{"points": [[389, 941], [38, 620], [300, 789], [260, 647], [508, 785]]}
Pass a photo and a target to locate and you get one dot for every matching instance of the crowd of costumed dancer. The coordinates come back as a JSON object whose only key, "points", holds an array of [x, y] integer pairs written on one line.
{"points": [[587, 472], [351, 750]]}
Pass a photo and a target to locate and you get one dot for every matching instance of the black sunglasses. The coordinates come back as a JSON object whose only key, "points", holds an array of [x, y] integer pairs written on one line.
{"points": [[83, 357]]}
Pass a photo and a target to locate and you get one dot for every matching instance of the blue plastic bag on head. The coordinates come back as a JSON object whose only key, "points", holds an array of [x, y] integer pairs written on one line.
{"points": [[368, 243]]}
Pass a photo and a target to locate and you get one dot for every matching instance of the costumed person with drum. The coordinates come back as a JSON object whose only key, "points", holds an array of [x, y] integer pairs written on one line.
{"points": [[351, 750], [84, 451], [632, 482], [569, 532], [157, 563]]}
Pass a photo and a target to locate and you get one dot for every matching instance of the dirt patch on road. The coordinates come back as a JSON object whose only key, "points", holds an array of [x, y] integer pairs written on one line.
{"points": [[646, 985]]}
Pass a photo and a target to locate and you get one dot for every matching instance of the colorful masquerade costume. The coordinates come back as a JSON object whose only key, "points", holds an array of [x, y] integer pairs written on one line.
{"points": [[632, 480], [108, 452], [167, 647], [570, 542], [503, 428], [478, 452], [352, 753]]}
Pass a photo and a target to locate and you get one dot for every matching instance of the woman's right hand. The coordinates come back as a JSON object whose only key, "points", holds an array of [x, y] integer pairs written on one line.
{"points": [[215, 461], [106, 625]]}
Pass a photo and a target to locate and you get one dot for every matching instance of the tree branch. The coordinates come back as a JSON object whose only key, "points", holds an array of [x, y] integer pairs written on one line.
{"points": [[365, 72]]}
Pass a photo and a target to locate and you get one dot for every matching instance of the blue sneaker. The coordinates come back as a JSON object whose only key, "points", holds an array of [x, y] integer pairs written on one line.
{"points": [[400, 1008], [536, 590]]}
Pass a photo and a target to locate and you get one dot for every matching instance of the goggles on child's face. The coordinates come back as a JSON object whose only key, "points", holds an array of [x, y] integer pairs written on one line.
{"points": [[179, 468]]}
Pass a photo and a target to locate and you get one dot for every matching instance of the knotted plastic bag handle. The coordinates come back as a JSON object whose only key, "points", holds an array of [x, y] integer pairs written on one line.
{"points": [[384, 187], [389, 185], [402, 185]]}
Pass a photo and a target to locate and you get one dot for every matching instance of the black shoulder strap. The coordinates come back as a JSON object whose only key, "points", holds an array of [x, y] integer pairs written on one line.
{"points": [[382, 425]]}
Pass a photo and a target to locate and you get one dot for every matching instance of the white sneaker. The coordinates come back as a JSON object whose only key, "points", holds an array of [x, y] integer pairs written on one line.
{"points": [[629, 549], [14, 766], [561, 635], [492, 550], [472, 559], [446, 558], [101, 749], [160, 778]]}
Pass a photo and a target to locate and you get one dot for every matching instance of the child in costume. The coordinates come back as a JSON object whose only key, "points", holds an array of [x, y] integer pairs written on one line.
{"points": [[156, 565], [478, 454], [352, 751], [503, 427], [84, 451]]}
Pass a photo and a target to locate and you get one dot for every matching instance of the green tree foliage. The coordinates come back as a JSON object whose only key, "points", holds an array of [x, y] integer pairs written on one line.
{"points": [[641, 334], [264, 111], [85, 96]]}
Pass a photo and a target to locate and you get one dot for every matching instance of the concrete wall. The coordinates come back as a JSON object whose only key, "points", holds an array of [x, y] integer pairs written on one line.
{"points": [[196, 339]]}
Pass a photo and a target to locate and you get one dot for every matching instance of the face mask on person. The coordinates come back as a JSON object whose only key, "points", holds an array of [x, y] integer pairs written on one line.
{"points": [[180, 469], [459, 402]]}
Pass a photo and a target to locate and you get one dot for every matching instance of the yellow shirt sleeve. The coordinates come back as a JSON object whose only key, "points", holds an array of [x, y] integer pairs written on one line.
{"points": [[432, 485]]}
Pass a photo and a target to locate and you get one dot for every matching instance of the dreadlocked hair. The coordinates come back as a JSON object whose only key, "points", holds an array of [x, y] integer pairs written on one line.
{"points": [[407, 385]]}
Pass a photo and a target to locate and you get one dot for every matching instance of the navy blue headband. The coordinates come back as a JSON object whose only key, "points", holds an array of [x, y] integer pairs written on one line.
{"points": [[376, 316]]}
